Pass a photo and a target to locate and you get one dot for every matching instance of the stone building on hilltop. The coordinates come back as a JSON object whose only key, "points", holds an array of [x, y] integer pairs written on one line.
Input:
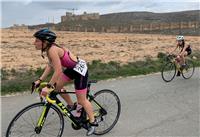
{"points": [[84, 16]]}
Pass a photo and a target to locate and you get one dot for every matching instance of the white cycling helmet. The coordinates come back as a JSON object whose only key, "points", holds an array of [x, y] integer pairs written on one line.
{"points": [[179, 38]]}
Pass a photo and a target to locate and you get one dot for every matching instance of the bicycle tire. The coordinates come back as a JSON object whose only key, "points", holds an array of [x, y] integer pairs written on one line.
{"points": [[107, 94], [189, 67], [172, 68], [53, 109]]}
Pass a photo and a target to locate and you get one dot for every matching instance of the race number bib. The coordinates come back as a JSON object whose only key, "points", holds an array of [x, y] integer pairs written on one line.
{"points": [[81, 67]]}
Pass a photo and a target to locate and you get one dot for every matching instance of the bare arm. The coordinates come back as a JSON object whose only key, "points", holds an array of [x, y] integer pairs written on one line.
{"points": [[183, 51], [174, 50], [55, 60], [46, 72]]}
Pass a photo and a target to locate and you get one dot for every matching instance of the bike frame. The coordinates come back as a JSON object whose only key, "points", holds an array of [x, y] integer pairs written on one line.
{"points": [[65, 111], [173, 60]]}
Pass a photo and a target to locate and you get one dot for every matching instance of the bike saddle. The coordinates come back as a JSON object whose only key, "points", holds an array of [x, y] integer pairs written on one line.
{"points": [[92, 81]]}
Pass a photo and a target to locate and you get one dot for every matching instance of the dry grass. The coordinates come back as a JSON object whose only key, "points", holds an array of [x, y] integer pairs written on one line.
{"points": [[18, 52]]}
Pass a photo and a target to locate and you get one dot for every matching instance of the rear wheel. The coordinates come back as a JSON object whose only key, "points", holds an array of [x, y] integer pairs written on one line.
{"points": [[188, 71], [109, 115]]}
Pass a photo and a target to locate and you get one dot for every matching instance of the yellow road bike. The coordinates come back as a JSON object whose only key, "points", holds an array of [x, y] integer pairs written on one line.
{"points": [[46, 118], [172, 67]]}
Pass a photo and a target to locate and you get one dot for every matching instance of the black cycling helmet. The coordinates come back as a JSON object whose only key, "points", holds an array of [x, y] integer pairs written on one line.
{"points": [[45, 34]]}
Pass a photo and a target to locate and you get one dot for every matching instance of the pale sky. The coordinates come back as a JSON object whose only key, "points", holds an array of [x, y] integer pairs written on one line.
{"points": [[32, 12]]}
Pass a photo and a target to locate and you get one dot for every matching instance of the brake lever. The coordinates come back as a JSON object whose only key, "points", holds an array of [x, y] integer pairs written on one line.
{"points": [[34, 86]]}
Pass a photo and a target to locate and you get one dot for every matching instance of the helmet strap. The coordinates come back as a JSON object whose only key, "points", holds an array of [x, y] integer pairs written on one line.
{"points": [[44, 49]]}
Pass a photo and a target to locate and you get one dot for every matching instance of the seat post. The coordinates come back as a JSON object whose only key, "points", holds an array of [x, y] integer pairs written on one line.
{"points": [[89, 85]]}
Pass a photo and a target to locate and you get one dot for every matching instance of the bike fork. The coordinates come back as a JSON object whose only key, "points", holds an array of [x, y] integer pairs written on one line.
{"points": [[42, 118]]}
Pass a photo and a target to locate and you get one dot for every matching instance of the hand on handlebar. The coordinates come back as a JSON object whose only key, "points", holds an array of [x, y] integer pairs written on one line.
{"points": [[45, 91]]}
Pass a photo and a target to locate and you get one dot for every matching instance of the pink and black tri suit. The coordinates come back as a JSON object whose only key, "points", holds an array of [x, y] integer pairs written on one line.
{"points": [[188, 49], [80, 81]]}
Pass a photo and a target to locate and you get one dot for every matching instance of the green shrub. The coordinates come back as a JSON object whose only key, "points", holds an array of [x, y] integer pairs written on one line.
{"points": [[97, 70], [161, 55]]}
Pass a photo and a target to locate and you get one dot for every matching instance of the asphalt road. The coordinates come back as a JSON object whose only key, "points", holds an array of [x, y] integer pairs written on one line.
{"points": [[150, 107]]}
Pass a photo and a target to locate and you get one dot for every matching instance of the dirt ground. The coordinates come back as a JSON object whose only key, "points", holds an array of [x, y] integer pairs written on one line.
{"points": [[18, 51]]}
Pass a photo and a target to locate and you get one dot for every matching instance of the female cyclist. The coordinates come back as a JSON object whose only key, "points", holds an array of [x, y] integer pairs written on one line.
{"points": [[74, 69], [185, 50]]}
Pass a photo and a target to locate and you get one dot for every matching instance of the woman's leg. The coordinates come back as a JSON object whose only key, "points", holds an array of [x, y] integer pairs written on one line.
{"points": [[80, 83], [178, 59], [183, 57], [81, 98], [60, 84]]}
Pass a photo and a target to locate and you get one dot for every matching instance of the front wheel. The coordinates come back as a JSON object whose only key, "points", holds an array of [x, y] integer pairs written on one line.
{"points": [[24, 124], [188, 71], [168, 71], [110, 102]]}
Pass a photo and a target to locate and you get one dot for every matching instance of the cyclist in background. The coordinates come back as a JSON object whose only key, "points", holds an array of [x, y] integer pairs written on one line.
{"points": [[74, 69], [185, 50]]}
